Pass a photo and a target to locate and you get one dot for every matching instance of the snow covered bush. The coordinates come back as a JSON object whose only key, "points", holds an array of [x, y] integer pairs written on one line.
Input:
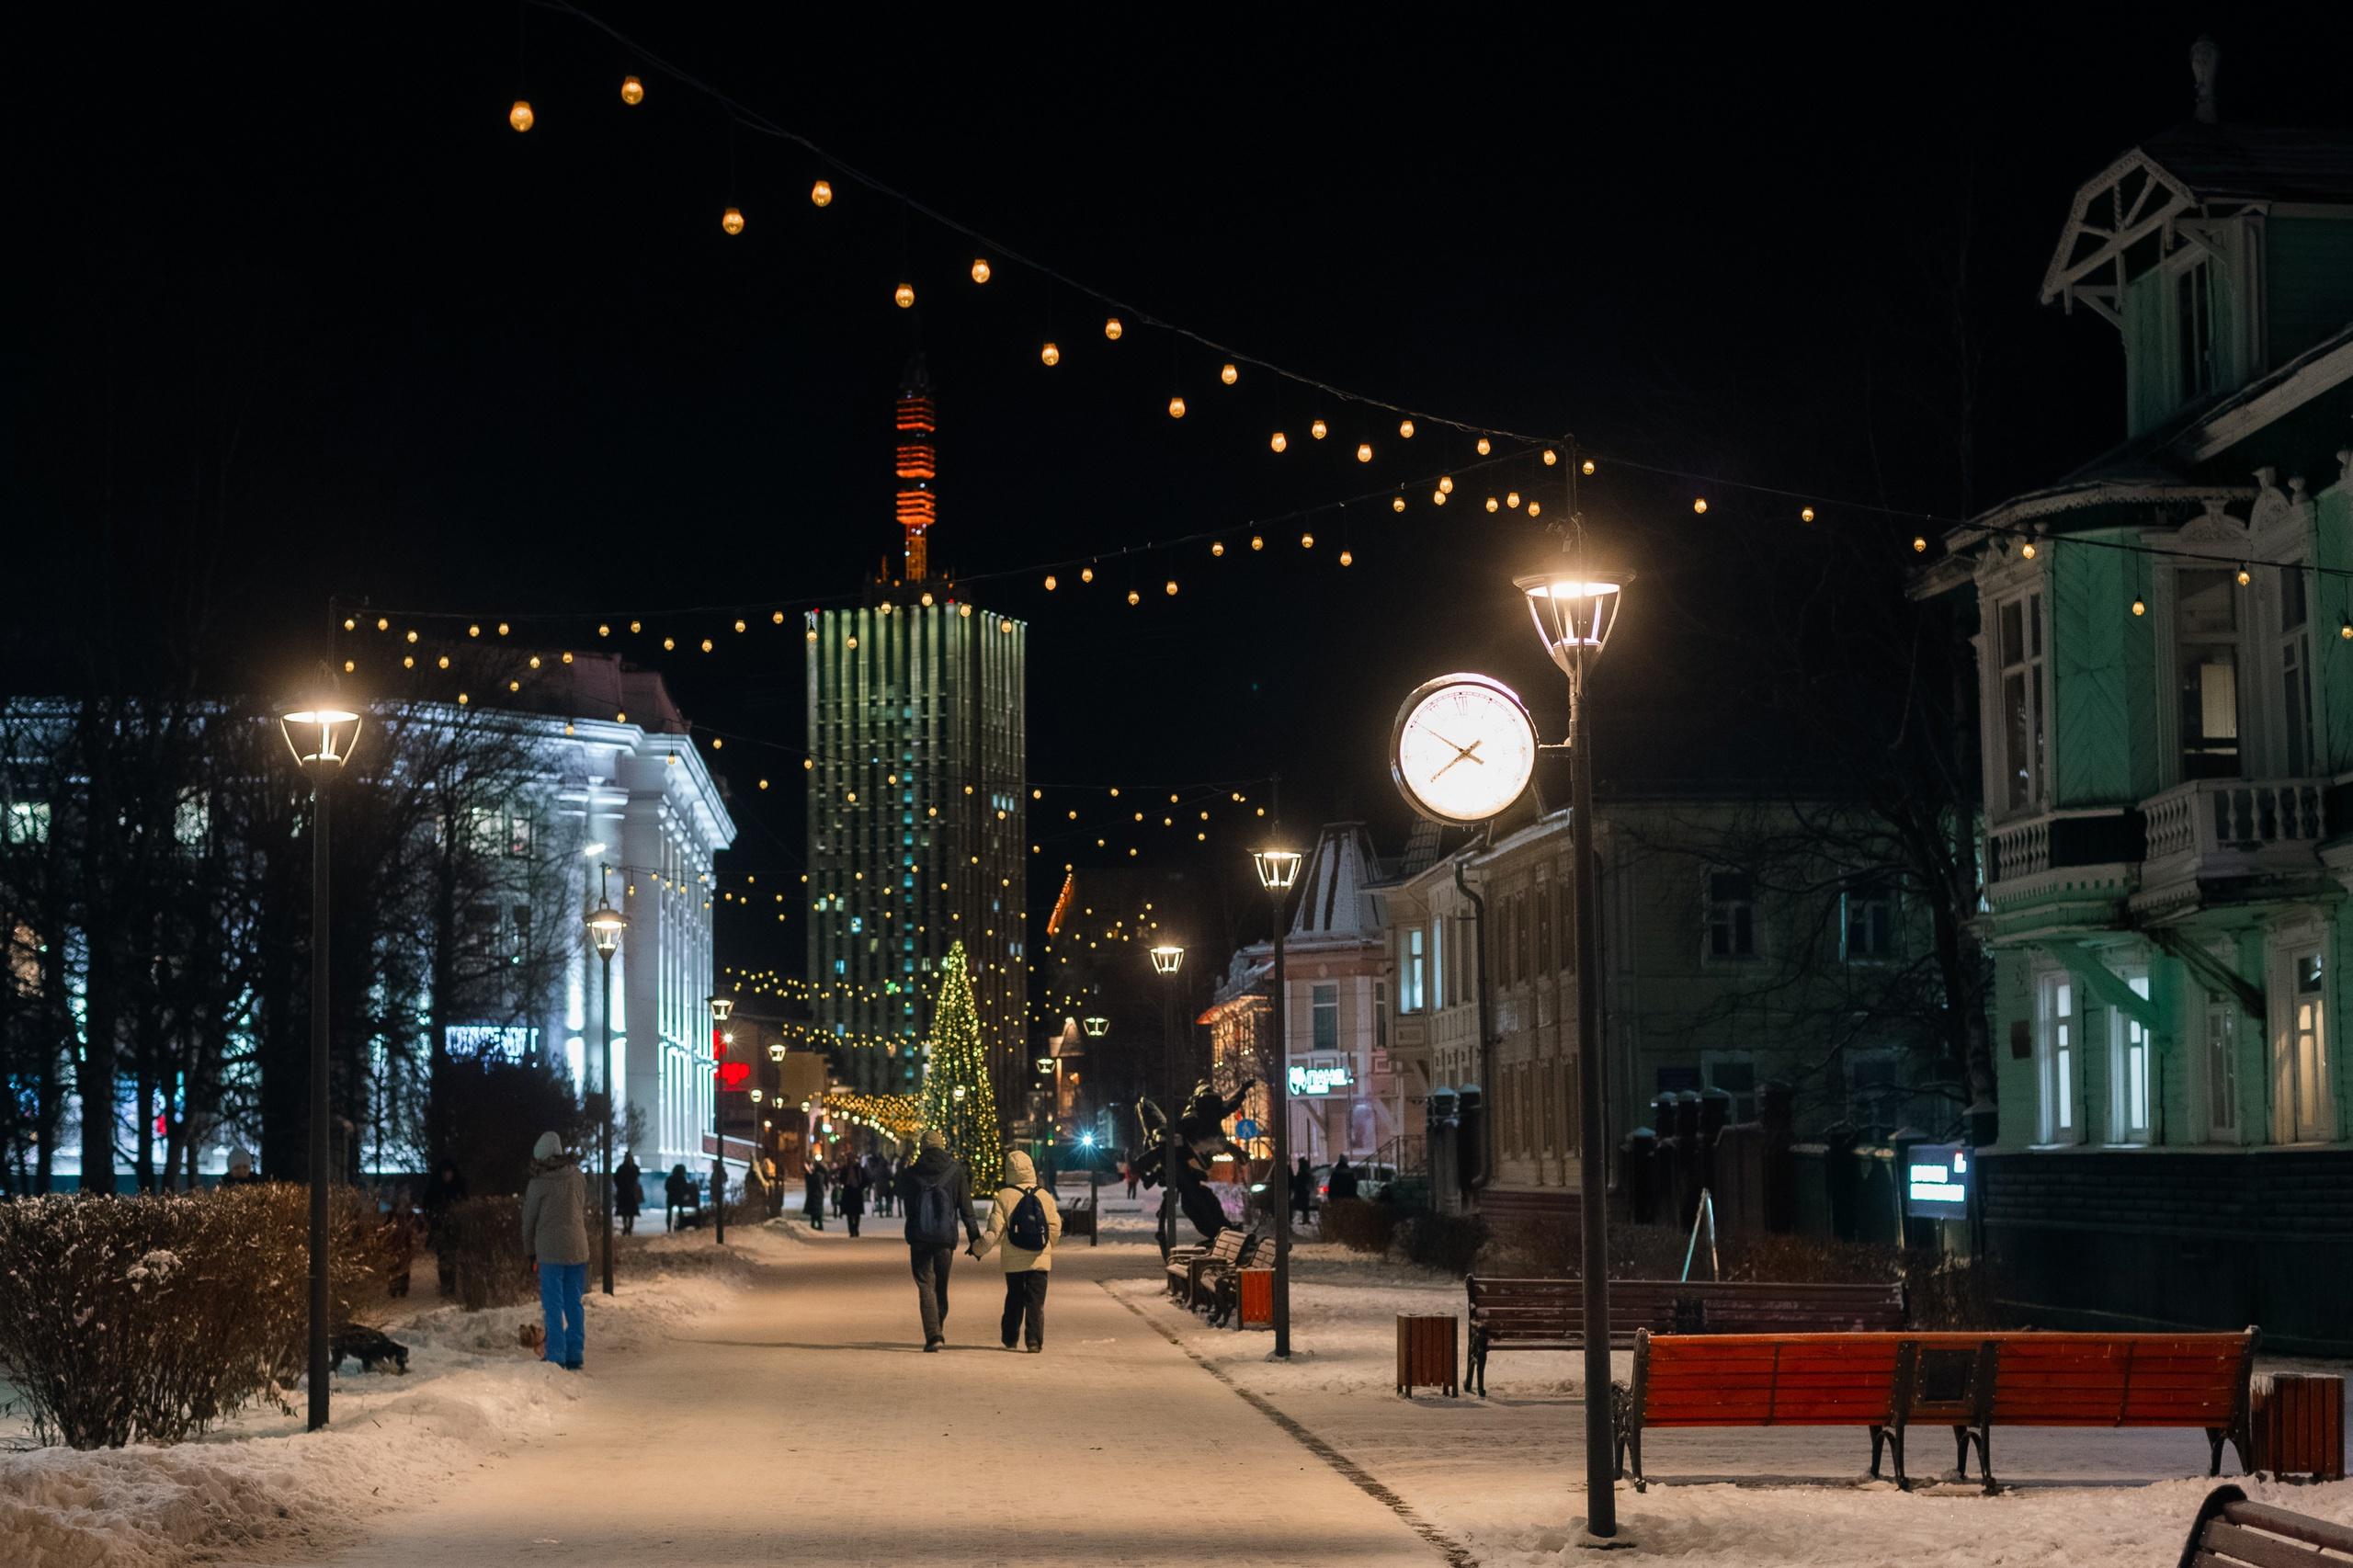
{"points": [[128, 1319], [481, 1238]]}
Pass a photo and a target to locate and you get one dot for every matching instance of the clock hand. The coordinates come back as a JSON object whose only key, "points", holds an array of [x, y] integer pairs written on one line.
{"points": [[1462, 754]]}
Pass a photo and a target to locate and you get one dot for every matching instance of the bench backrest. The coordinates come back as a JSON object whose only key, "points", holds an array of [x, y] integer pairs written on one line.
{"points": [[1554, 1309], [2232, 1531], [1768, 1379], [2121, 1380], [1228, 1245]]}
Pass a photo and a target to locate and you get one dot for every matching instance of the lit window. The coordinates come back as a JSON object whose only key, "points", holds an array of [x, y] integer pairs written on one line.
{"points": [[2055, 1052], [2206, 639], [1731, 915], [27, 822], [1326, 1013], [1870, 923], [2018, 633]]}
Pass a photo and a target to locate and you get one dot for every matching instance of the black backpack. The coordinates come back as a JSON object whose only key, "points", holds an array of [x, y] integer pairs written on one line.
{"points": [[933, 1223], [1026, 1227]]}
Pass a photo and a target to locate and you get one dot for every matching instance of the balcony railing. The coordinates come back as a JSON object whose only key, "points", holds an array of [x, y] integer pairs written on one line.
{"points": [[2021, 849], [2258, 820]]}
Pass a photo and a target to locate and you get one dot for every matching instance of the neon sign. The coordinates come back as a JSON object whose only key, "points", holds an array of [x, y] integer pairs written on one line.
{"points": [[499, 1042], [1320, 1080], [1935, 1180]]}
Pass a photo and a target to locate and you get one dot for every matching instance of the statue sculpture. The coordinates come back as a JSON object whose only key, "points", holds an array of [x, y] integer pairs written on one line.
{"points": [[1201, 1133]]}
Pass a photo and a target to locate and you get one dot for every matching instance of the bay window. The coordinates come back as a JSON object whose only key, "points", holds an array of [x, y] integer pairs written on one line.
{"points": [[2017, 631], [2206, 674]]}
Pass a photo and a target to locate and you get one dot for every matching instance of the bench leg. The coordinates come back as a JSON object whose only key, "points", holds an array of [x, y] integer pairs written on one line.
{"points": [[1985, 1459], [1961, 1450], [1879, 1436], [2214, 1436], [1479, 1362], [1642, 1482], [1902, 1479]]}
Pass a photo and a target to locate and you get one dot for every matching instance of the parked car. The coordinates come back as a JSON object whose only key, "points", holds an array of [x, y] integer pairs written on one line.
{"points": [[1370, 1179]]}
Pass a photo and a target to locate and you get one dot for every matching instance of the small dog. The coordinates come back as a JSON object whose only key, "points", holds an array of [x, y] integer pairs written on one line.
{"points": [[367, 1346], [532, 1336]]}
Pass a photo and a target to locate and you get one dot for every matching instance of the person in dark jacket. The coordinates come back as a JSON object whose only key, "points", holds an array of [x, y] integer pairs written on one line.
{"points": [[1302, 1191], [678, 1192], [814, 1211], [628, 1193], [878, 1182], [240, 1171], [931, 1237], [1342, 1182], [853, 1193], [444, 1191]]}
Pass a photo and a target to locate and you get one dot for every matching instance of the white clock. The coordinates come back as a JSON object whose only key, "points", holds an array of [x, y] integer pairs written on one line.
{"points": [[1463, 748]]}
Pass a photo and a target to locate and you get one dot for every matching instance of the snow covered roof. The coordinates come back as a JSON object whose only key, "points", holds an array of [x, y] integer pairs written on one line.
{"points": [[1333, 898]]}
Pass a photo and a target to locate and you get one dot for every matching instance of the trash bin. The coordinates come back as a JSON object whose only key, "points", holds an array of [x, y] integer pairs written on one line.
{"points": [[1425, 1353], [1257, 1309], [2299, 1421]]}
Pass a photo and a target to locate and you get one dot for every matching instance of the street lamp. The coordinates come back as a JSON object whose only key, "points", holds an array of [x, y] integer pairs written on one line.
{"points": [[1096, 1028], [1167, 959], [1278, 869], [320, 731], [720, 1007], [605, 926], [1575, 605]]}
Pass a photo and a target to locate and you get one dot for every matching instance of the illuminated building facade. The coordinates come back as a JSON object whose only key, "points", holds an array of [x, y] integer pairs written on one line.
{"points": [[916, 828]]}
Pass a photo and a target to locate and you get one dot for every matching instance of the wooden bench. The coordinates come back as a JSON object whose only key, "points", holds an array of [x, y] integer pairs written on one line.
{"points": [[2232, 1532], [1219, 1288], [1185, 1263], [1079, 1220], [1549, 1315], [1887, 1383]]}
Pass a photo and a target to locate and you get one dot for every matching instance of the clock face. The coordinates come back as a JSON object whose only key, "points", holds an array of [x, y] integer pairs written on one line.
{"points": [[1463, 748]]}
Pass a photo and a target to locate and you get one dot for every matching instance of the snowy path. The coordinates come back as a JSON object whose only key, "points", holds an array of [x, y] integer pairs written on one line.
{"points": [[806, 1423]]}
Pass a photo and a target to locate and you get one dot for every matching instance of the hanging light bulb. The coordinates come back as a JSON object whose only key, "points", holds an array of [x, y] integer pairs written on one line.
{"points": [[520, 116], [1050, 355], [904, 294], [1218, 548], [1280, 442], [1319, 429], [1348, 558], [1364, 451], [1134, 597], [2245, 576], [980, 270], [1405, 428], [1919, 544], [732, 219], [1484, 447], [1257, 541], [1087, 574], [1397, 503], [1805, 514], [1446, 485], [822, 193], [1512, 500], [1170, 587], [1052, 581], [1493, 505], [633, 91], [1700, 505], [1175, 408], [2028, 551], [1588, 466], [1533, 508], [2140, 607], [1112, 328], [1229, 373], [1437, 497], [1307, 541]]}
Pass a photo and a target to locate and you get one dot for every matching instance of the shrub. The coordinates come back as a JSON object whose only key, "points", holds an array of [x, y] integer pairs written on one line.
{"points": [[1447, 1241], [1360, 1226], [126, 1319], [481, 1241]]}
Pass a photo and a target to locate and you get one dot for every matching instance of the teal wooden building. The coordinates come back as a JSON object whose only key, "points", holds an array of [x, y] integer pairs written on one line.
{"points": [[2166, 662]]}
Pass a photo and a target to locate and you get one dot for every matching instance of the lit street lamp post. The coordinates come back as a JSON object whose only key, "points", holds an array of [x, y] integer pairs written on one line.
{"points": [[320, 733], [1095, 1030], [606, 924], [1167, 959], [1278, 869], [1575, 605], [720, 1006]]}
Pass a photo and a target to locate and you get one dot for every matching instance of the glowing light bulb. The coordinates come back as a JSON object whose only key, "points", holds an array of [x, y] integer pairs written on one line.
{"points": [[1512, 500], [2245, 576], [1533, 508], [2140, 607], [1280, 442], [2028, 552], [980, 270], [1112, 328], [1405, 428], [1087, 574], [1348, 558], [904, 294], [1175, 408], [1493, 505], [1257, 541], [1805, 514], [778, 618], [1170, 587], [1134, 597], [1700, 505], [1218, 548], [822, 193], [633, 91], [1050, 355], [1397, 503], [732, 219], [1319, 429], [1052, 583], [1437, 497], [520, 116], [1229, 373], [1307, 541], [1446, 485], [1588, 465], [1364, 451], [1919, 544], [349, 624], [1484, 447]]}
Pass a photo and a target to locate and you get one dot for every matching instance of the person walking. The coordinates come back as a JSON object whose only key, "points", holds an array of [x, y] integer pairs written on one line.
{"points": [[444, 1192], [1341, 1186], [556, 1239], [1024, 1224], [936, 1196], [1302, 1191], [814, 1211], [629, 1192], [853, 1194], [1128, 1169], [878, 1182]]}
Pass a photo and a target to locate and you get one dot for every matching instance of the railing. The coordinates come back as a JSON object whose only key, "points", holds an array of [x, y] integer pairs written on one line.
{"points": [[2021, 849], [2212, 816]]}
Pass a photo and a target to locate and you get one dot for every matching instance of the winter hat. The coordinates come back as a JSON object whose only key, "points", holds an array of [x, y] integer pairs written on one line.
{"points": [[933, 1138], [240, 1160], [548, 1147]]}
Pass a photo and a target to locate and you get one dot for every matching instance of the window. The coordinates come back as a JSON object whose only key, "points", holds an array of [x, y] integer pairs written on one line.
{"points": [[2221, 1077], [1409, 973], [1870, 922], [1381, 1014], [1731, 917], [2128, 1067], [518, 834], [2206, 676], [2301, 1070], [2018, 636], [1547, 960], [2054, 1058], [27, 822], [1441, 992], [485, 829], [192, 820], [2193, 300], [2295, 673], [1324, 1003], [1736, 1074], [1874, 1089]]}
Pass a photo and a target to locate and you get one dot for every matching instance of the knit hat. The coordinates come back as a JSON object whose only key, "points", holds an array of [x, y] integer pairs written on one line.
{"points": [[933, 1138], [548, 1147]]}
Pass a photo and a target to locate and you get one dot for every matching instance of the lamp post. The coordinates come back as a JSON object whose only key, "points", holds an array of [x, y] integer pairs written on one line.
{"points": [[320, 733], [1167, 959], [606, 924], [1575, 605], [720, 1006], [1278, 869]]}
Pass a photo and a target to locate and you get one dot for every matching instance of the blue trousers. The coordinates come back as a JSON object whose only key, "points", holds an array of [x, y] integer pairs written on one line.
{"points": [[561, 1287]]}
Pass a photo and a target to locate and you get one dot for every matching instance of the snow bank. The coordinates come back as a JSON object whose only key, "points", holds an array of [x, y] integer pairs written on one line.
{"points": [[471, 1392]]}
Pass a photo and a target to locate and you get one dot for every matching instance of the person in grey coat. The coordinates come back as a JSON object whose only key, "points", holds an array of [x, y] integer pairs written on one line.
{"points": [[555, 1238]]}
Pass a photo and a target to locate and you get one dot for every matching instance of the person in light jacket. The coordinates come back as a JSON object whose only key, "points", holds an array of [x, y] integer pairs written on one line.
{"points": [[555, 1238], [1026, 1272]]}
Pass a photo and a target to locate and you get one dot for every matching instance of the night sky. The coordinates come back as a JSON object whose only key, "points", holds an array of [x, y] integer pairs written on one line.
{"points": [[293, 313]]}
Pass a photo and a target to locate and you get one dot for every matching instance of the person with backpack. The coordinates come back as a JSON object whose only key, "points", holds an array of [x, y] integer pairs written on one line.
{"points": [[937, 1198], [853, 1193], [1026, 1223]]}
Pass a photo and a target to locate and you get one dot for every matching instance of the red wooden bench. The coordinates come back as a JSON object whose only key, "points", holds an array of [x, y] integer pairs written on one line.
{"points": [[2199, 1380], [2232, 1532], [1760, 1379]]}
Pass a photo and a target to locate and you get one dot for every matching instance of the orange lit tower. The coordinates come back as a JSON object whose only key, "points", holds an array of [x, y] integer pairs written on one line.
{"points": [[918, 467]]}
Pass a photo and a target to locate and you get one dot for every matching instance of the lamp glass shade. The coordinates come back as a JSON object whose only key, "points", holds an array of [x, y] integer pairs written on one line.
{"points": [[1278, 869], [319, 732], [1098, 1028], [775, 1052], [1575, 606], [606, 924], [1167, 957], [720, 1006]]}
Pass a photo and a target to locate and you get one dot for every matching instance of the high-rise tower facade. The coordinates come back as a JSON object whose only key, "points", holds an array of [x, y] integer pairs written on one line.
{"points": [[919, 746]]}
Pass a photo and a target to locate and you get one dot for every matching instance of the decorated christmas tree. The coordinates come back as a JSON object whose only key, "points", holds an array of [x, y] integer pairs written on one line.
{"points": [[956, 1099]]}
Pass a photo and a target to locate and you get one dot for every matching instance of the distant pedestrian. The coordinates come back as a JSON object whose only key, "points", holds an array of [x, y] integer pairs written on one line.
{"points": [[878, 1182], [556, 1239], [241, 1171], [1026, 1223], [755, 1187], [1341, 1186], [775, 1187], [835, 1178], [937, 1198], [443, 1192], [853, 1194], [814, 1211], [1302, 1191], [1128, 1169], [628, 1193], [677, 1193]]}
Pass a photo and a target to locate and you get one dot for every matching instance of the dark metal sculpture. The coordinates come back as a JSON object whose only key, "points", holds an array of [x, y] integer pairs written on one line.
{"points": [[1200, 1131]]}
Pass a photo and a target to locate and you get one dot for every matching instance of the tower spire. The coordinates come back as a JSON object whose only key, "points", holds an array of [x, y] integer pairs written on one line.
{"points": [[918, 467]]}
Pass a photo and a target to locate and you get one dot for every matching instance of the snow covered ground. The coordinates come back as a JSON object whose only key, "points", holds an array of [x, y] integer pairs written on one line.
{"points": [[471, 1395]]}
